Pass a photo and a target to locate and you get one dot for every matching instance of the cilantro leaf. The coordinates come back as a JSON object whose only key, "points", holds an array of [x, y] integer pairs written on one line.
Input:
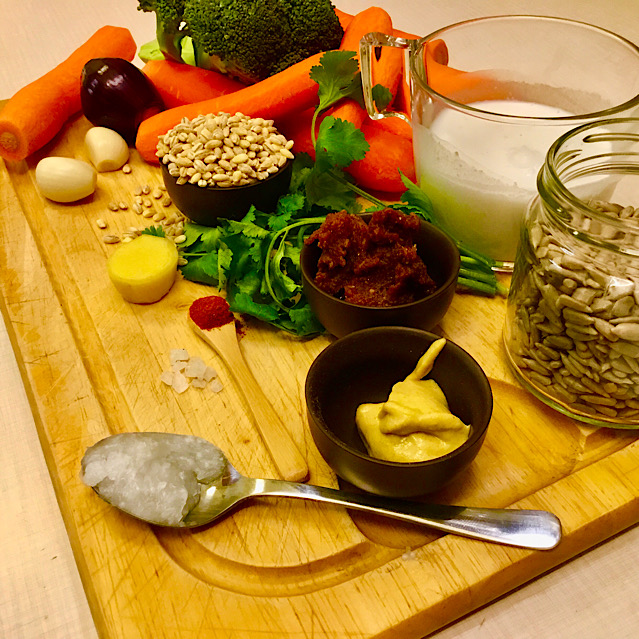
{"points": [[324, 190], [342, 141], [336, 77], [415, 197], [302, 166], [153, 230], [202, 269], [382, 96]]}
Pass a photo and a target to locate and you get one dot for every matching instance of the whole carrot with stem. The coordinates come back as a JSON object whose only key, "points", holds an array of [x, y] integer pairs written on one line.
{"points": [[37, 112]]}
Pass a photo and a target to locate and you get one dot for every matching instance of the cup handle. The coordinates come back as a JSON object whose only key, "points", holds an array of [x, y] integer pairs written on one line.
{"points": [[367, 46]]}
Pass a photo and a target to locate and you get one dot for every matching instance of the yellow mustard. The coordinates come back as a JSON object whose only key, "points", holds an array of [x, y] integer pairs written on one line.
{"points": [[415, 423]]}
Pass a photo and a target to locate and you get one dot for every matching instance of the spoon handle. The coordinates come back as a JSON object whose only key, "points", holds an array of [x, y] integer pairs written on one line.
{"points": [[286, 455], [536, 529]]}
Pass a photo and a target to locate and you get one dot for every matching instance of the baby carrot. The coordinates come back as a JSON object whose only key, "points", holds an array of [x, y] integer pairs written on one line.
{"points": [[180, 84], [275, 97], [34, 115]]}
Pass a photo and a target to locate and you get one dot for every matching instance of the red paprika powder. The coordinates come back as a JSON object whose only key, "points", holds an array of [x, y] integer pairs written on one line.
{"points": [[210, 312]]}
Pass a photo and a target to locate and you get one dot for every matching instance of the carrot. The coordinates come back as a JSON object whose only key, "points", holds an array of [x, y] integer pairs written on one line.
{"points": [[366, 21], [387, 70], [275, 97], [388, 154], [180, 84], [379, 169], [461, 86], [402, 100], [435, 51], [346, 18], [394, 125], [37, 112], [349, 111], [297, 127]]}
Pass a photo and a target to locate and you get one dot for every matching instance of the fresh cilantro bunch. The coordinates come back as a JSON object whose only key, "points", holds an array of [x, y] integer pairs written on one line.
{"points": [[261, 279]]}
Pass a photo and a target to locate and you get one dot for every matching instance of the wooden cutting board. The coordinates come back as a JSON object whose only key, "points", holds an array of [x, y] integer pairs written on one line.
{"points": [[276, 568]]}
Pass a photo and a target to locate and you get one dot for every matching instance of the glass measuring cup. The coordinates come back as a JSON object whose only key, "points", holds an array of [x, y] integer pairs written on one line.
{"points": [[487, 97]]}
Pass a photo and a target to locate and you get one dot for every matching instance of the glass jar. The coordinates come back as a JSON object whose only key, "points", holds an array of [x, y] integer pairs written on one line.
{"points": [[572, 320]]}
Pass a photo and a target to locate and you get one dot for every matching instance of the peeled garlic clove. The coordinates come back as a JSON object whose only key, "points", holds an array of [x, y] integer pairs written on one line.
{"points": [[108, 151], [65, 179]]}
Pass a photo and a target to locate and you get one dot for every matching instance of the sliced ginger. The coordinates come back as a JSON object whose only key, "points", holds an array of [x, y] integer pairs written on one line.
{"points": [[143, 271]]}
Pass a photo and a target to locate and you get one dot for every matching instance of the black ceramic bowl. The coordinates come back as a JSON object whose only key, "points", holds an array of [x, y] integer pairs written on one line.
{"points": [[205, 204], [362, 367], [339, 318]]}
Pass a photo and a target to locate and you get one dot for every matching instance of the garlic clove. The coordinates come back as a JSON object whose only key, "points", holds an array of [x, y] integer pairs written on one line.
{"points": [[65, 179], [107, 149]]}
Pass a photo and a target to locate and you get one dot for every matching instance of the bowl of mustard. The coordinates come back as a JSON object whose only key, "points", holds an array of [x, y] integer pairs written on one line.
{"points": [[397, 411]]}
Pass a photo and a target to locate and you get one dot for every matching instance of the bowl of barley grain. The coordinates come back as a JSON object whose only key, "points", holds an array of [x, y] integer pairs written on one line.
{"points": [[219, 165]]}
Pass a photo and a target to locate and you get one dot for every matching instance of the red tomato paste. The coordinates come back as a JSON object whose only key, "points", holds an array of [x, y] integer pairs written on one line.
{"points": [[374, 264]]}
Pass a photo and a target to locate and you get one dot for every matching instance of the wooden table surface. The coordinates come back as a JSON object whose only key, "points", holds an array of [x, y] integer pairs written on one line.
{"points": [[592, 596]]}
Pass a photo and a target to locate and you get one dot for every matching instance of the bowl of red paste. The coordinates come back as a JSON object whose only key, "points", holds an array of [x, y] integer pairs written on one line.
{"points": [[378, 269]]}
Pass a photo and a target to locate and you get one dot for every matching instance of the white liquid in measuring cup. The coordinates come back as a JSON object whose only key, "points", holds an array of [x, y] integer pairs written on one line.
{"points": [[480, 175]]}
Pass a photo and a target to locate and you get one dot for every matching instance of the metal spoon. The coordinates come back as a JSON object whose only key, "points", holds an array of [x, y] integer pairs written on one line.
{"points": [[221, 487]]}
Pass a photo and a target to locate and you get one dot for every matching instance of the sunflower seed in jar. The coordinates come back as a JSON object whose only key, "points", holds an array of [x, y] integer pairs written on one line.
{"points": [[573, 304]]}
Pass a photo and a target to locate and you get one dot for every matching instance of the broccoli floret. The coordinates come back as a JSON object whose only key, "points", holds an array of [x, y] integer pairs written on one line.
{"points": [[170, 30], [248, 39], [167, 11]]}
